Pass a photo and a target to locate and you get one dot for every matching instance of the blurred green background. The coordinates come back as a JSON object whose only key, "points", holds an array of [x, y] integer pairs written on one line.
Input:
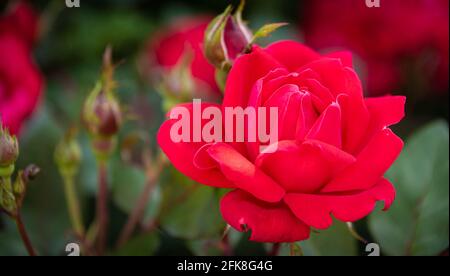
{"points": [[69, 55]]}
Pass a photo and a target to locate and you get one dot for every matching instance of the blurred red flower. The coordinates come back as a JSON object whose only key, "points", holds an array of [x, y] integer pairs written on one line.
{"points": [[20, 81], [334, 145], [182, 39], [21, 21], [400, 35]]}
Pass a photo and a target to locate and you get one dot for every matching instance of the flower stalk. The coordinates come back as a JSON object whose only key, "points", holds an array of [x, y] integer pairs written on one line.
{"points": [[68, 158], [102, 117], [135, 150]]}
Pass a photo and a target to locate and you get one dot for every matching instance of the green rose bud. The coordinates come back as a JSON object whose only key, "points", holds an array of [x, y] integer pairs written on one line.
{"points": [[227, 37], [9, 148], [68, 154]]}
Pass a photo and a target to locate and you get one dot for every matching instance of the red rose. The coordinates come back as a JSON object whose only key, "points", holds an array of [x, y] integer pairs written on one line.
{"points": [[334, 145], [20, 81], [21, 21], [399, 31], [183, 37]]}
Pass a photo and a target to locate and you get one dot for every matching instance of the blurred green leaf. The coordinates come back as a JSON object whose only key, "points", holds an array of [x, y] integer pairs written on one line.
{"points": [[11, 244], [143, 245], [417, 223], [334, 241], [191, 210], [84, 34], [127, 185], [205, 247]]}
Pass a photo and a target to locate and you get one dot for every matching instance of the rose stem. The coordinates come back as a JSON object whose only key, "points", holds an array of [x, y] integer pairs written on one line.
{"points": [[225, 242], [275, 249], [73, 206], [295, 249], [102, 207], [139, 208], [23, 234]]}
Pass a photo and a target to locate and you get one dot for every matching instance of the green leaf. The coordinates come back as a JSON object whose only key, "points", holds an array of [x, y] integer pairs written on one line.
{"points": [[143, 245], [334, 241], [127, 185], [417, 223], [190, 210], [266, 30]]}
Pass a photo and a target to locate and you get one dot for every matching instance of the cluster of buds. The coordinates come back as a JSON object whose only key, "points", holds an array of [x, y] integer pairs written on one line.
{"points": [[12, 193], [228, 36], [102, 114], [9, 152]]}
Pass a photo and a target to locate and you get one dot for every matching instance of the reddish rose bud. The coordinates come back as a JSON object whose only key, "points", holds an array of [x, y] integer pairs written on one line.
{"points": [[9, 148], [226, 37], [102, 114]]}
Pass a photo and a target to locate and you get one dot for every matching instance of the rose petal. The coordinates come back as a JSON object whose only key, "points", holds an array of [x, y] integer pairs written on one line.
{"points": [[296, 168], [292, 54], [267, 222], [287, 99], [316, 209], [322, 96], [328, 127], [346, 57], [384, 112], [307, 117], [182, 154], [370, 165], [245, 72], [336, 158], [244, 174], [336, 77], [355, 120]]}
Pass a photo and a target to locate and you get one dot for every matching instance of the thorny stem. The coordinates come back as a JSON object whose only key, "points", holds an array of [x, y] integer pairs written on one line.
{"points": [[23, 234], [102, 207]]}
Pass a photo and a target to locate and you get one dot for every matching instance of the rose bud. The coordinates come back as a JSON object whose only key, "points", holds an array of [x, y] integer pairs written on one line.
{"points": [[102, 114], [226, 37], [9, 151], [9, 148], [68, 154]]}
